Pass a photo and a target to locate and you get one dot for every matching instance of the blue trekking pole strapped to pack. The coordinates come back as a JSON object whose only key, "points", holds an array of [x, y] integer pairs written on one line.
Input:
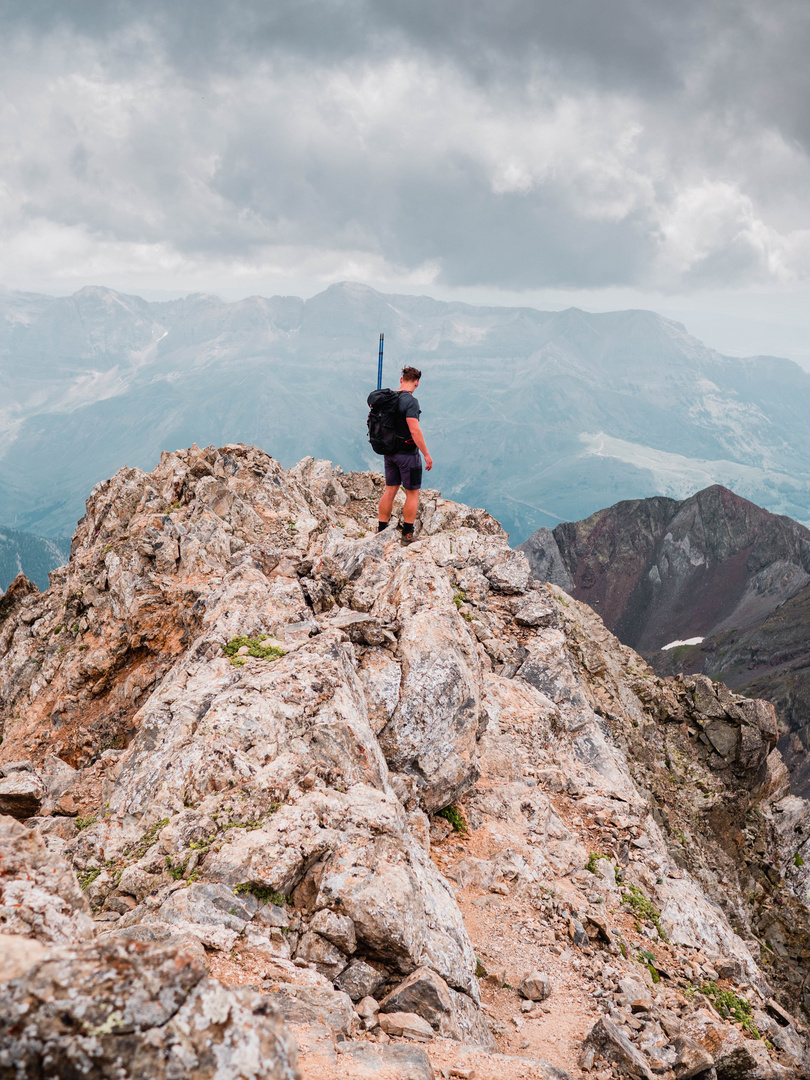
{"points": [[383, 417]]}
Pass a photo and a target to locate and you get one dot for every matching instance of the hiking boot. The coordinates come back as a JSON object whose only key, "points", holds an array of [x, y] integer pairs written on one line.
{"points": [[406, 539]]}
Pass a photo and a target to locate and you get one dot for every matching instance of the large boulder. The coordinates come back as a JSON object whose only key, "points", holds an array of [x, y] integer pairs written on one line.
{"points": [[449, 1013], [605, 1040], [736, 1056], [132, 1011], [21, 795], [432, 730]]}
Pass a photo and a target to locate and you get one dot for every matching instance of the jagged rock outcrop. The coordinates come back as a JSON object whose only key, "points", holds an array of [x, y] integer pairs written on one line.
{"points": [[546, 559], [292, 700], [39, 894], [130, 1010], [769, 661]]}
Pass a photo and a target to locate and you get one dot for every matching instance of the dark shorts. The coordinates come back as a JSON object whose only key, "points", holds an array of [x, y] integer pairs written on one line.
{"points": [[404, 469]]}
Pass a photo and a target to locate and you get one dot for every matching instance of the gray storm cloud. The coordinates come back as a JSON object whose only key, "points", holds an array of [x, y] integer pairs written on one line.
{"points": [[520, 144]]}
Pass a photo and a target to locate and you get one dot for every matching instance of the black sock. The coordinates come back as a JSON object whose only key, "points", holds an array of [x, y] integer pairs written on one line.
{"points": [[407, 528], [382, 525]]}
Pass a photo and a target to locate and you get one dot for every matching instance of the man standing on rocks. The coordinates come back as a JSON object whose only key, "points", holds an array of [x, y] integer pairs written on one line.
{"points": [[404, 469]]}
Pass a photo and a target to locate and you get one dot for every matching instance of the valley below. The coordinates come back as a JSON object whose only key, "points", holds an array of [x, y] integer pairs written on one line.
{"points": [[541, 416]]}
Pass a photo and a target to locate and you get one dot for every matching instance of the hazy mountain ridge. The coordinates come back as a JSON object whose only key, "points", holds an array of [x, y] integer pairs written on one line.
{"points": [[541, 416], [34, 556]]}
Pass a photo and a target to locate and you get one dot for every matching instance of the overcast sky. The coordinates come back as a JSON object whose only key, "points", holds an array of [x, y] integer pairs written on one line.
{"points": [[606, 153]]}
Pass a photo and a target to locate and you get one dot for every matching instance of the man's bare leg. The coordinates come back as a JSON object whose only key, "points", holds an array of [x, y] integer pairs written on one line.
{"points": [[411, 506], [387, 503], [409, 515]]}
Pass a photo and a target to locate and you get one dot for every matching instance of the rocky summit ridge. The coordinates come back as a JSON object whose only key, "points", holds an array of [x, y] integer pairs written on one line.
{"points": [[283, 799]]}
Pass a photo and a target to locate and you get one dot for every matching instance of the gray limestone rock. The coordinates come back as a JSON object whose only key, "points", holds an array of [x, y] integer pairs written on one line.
{"points": [[692, 1059], [368, 1008], [11, 767], [39, 894], [536, 611], [339, 929], [321, 954], [130, 1011], [545, 559], [211, 912], [609, 1042], [381, 677], [510, 574], [406, 1025], [451, 1014], [361, 979], [396, 919], [735, 1056], [634, 989], [434, 727], [314, 1005], [723, 737], [21, 795], [536, 986], [58, 776]]}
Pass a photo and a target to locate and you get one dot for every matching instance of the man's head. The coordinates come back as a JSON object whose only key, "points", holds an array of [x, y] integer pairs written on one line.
{"points": [[410, 378]]}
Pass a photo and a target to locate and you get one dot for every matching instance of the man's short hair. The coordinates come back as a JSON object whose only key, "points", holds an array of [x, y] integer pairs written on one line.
{"points": [[411, 374]]}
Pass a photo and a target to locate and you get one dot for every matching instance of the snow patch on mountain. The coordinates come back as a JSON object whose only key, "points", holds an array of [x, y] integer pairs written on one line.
{"points": [[686, 641]]}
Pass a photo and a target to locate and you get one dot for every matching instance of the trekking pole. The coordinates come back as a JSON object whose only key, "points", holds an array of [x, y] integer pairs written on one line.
{"points": [[379, 366]]}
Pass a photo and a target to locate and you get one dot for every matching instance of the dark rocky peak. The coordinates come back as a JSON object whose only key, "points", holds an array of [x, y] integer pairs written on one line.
{"points": [[726, 579], [658, 570]]}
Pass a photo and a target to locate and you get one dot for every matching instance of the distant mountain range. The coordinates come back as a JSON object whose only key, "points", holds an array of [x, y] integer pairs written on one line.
{"points": [[714, 570], [21, 553], [539, 416]]}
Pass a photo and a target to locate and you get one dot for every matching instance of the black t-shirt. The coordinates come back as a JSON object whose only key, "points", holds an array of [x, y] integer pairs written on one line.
{"points": [[408, 407]]}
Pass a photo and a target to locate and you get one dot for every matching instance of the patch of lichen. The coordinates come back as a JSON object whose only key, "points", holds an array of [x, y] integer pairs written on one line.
{"points": [[255, 648], [641, 904], [265, 895], [731, 1007], [455, 817]]}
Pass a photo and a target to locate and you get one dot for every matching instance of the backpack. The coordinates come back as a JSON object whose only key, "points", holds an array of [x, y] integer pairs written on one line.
{"points": [[383, 421]]}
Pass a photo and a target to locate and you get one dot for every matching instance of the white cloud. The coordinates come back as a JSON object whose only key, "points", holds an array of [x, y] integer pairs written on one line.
{"points": [[413, 163], [714, 222]]}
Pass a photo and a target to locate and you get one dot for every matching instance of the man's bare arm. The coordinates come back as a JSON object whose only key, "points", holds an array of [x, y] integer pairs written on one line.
{"points": [[419, 439]]}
